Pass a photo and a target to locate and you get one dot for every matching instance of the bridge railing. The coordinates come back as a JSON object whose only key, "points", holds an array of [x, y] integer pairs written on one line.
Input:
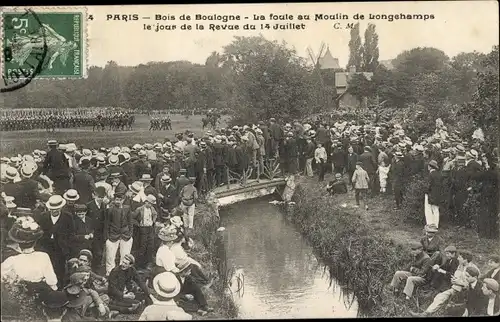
{"points": [[266, 169]]}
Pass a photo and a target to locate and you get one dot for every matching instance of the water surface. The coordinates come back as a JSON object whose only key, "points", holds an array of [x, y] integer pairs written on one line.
{"points": [[282, 276]]}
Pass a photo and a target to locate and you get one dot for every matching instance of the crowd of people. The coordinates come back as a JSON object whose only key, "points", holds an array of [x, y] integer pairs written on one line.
{"points": [[72, 209]]}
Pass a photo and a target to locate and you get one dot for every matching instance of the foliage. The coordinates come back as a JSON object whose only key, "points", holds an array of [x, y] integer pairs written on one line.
{"points": [[359, 257], [413, 203], [361, 87], [370, 49], [269, 78], [355, 49]]}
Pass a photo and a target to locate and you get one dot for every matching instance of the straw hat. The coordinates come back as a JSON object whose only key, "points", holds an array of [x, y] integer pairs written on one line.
{"points": [[433, 164], [146, 177], [11, 173], [71, 195], [166, 178], [136, 187], [151, 199], [113, 159], [55, 202], [166, 285]]}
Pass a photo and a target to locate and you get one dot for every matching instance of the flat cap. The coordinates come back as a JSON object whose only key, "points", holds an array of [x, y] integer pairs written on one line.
{"points": [[491, 284], [450, 249]]}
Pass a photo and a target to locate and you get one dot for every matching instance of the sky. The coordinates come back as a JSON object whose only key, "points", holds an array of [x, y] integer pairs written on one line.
{"points": [[458, 26]]}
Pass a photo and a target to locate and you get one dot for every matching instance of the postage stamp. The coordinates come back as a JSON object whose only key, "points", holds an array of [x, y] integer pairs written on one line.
{"points": [[59, 32]]}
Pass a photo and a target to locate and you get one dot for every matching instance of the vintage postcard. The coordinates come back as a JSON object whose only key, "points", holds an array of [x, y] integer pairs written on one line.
{"points": [[250, 161]]}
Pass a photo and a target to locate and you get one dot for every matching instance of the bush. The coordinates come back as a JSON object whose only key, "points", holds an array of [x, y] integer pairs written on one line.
{"points": [[413, 199], [358, 257]]}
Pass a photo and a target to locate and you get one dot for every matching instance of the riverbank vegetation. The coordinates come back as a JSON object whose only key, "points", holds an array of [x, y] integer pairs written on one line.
{"points": [[19, 305], [364, 248]]}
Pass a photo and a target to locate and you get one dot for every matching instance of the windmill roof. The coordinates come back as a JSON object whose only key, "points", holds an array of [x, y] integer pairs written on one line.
{"points": [[328, 61]]}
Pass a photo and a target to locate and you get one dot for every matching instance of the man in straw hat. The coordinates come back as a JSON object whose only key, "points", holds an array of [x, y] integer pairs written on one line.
{"points": [[101, 177], [116, 183], [10, 186], [26, 232], [416, 275], [72, 197], [433, 194], [29, 187], [121, 276], [56, 167], [56, 226], [188, 196], [166, 287]]}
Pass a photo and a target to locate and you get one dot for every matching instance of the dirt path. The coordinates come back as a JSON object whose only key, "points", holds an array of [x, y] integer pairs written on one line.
{"points": [[381, 217]]}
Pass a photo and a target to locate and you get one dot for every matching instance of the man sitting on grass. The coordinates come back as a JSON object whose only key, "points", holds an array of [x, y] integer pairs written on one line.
{"points": [[337, 186], [121, 277], [417, 273]]}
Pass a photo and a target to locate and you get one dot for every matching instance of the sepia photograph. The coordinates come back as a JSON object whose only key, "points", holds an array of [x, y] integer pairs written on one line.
{"points": [[250, 161]]}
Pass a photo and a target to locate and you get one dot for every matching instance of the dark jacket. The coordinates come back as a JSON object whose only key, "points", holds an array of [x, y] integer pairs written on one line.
{"points": [[351, 162], [422, 263], [430, 247], [30, 194], [59, 244], [369, 163], [476, 301], [309, 150], [118, 224], [119, 279], [434, 188], [78, 232], [84, 184], [55, 164], [170, 198]]}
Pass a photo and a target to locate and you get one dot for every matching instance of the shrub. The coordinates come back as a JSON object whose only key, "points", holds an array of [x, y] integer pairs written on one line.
{"points": [[413, 199]]}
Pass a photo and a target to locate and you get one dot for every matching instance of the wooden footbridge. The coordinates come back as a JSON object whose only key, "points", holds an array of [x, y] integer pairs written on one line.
{"points": [[253, 183]]}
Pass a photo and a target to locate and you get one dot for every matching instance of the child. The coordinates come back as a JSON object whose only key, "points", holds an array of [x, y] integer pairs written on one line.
{"points": [[360, 181], [337, 185], [383, 171]]}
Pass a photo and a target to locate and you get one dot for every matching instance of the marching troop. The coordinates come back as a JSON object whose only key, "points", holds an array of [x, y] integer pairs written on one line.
{"points": [[73, 209]]}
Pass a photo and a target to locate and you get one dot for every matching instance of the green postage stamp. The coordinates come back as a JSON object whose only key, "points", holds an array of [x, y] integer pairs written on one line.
{"points": [[40, 42]]}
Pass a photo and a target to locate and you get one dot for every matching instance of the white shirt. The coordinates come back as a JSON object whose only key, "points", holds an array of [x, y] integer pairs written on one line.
{"points": [[54, 220], [495, 272], [166, 259], [491, 306], [320, 153], [147, 218], [21, 265]]}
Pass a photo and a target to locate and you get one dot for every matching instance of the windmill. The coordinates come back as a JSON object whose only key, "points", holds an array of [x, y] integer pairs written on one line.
{"points": [[317, 70]]}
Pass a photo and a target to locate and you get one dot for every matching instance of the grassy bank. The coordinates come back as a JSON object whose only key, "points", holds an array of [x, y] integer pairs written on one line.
{"points": [[365, 248], [17, 306]]}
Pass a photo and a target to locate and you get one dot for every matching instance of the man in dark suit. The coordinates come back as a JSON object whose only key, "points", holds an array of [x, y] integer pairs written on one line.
{"points": [[56, 227], [276, 135], [443, 271], [56, 167], [434, 191], [396, 175], [82, 232], [219, 162], [29, 187], [352, 159], [370, 166], [431, 242], [97, 212], [83, 182]]}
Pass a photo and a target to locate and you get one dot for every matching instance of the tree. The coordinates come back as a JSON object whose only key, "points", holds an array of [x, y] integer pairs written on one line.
{"points": [[370, 49], [420, 60], [361, 87], [270, 80], [355, 48]]}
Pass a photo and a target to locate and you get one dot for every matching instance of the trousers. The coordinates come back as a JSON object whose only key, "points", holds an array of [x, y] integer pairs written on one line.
{"points": [[309, 168], [431, 212], [145, 246], [440, 300], [111, 249], [188, 215], [411, 281]]}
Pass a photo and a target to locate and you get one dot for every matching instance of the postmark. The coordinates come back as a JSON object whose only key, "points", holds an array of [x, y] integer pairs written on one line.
{"points": [[58, 34]]}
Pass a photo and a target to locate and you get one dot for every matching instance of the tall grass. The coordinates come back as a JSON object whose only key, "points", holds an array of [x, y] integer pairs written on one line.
{"points": [[359, 257]]}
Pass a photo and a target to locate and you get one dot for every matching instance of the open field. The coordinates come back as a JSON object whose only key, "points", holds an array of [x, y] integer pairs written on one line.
{"points": [[14, 142]]}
